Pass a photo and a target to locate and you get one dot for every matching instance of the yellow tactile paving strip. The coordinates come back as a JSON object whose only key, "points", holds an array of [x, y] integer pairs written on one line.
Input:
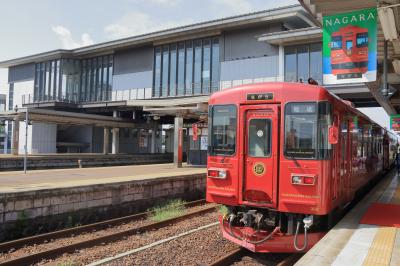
{"points": [[382, 251], [395, 260]]}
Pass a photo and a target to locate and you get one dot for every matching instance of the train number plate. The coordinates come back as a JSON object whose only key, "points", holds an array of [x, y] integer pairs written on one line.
{"points": [[260, 96]]}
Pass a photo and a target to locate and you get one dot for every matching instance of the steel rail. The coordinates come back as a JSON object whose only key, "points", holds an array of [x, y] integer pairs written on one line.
{"points": [[140, 249], [238, 253], [230, 258], [52, 253], [39, 239], [291, 260]]}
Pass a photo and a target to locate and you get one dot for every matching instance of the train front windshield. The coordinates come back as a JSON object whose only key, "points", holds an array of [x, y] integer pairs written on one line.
{"points": [[222, 137], [306, 130]]}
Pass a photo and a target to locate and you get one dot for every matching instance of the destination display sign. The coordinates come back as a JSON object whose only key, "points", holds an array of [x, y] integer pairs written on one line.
{"points": [[260, 96]]}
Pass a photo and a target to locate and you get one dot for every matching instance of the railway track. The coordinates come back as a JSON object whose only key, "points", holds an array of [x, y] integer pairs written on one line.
{"points": [[96, 240], [238, 253]]}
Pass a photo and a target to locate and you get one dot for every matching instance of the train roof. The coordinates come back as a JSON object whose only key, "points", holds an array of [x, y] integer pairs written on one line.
{"points": [[283, 92]]}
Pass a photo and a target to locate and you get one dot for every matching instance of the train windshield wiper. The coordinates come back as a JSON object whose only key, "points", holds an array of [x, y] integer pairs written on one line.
{"points": [[294, 159]]}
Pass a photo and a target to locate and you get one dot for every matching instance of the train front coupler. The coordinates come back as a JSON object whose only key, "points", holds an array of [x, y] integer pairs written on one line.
{"points": [[308, 221]]}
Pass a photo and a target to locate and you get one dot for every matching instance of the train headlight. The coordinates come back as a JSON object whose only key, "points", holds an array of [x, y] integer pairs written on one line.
{"points": [[222, 174], [303, 180], [297, 179], [217, 173]]}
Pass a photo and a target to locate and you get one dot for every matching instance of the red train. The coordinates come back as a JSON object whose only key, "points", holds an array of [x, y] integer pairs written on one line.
{"points": [[286, 159], [349, 52]]}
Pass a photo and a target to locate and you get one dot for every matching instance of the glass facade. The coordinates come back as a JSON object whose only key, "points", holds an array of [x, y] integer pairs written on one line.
{"points": [[303, 62], [186, 68], [72, 80]]}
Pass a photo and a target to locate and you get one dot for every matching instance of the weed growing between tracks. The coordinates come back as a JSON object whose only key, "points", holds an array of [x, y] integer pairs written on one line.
{"points": [[171, 209], [223, 210]]}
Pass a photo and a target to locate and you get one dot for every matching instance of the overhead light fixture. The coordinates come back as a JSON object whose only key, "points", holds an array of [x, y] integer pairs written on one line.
{"points": [[396, 66], [388, 23]]}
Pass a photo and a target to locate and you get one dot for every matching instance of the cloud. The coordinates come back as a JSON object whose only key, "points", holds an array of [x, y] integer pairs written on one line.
{"points": [[230, 7], [67, 41], [136, 23], [159, 2]]}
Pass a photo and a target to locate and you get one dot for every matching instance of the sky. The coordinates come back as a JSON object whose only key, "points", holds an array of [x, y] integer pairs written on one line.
{"points": [[29, 27]]}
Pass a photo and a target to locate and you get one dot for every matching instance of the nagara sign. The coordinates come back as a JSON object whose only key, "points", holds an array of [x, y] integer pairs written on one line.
{"points": [[350, 47]]}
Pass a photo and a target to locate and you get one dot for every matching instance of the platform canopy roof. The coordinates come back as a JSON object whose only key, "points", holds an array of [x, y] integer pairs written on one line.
{"points": [[388, 29], [70, 118]]}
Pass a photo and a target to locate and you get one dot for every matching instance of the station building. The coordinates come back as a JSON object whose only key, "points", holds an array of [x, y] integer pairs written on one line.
{"points": [[133, 95]]}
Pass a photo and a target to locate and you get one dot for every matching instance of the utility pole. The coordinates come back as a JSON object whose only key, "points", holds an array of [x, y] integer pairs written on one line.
{"points": [[26, 140]]}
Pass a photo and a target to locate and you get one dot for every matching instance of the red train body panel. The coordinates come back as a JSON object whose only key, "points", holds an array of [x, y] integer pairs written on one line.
{"points": [[286, 154], [349, 52]]}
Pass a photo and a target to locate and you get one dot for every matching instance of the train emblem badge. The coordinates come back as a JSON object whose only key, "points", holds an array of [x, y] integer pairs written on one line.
{"points": [[259, 169]]}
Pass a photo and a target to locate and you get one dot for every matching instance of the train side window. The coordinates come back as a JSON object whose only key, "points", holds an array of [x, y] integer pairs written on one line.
{"points": [[360, 142], [324, 121]]}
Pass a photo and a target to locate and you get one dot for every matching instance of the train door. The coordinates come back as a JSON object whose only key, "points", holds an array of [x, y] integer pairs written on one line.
{"points": [[345, 161], [335, 163], [261, 155]]}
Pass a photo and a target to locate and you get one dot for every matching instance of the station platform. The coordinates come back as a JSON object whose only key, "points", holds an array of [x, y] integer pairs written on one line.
{"points": [[10, 162], [17, 181], [59, 198], [354, 243]]}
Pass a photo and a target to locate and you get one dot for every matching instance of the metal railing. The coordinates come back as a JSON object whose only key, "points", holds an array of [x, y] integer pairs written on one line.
{"points": [[131, 94], [117, 95], [232, 83], [144, 93]]}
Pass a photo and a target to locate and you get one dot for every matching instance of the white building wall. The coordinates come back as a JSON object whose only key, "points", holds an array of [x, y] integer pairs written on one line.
{"points": [[44, 138], [21, 147], [41, 138], [21, 89]]}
